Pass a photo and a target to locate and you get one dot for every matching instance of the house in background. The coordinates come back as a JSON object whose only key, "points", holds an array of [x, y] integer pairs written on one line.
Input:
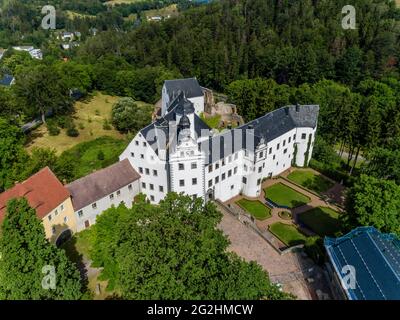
{"points": [[96, 192], [35, 53], [51, 200], [371, 259], [7, 80]]}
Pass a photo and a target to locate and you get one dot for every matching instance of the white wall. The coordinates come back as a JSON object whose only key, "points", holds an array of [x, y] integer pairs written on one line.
{"points": [[89, 213], [142, 157], [198, 103]]}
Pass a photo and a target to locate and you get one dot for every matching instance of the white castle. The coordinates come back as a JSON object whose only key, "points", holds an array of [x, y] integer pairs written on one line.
{"points": [[180, 153]]}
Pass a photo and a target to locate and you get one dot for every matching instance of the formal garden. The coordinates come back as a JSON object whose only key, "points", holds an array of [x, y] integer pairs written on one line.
{"points": [[289, 234], [323, 221]]}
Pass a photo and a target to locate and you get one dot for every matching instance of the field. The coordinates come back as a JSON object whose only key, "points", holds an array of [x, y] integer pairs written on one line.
{"points": [[286, 196], [256, 208], [322, 220], [89, 118], [310, 180], [288, 234]]}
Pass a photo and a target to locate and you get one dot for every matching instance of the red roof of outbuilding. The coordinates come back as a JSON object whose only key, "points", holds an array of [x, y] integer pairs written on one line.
{"points": [[43, 191]]}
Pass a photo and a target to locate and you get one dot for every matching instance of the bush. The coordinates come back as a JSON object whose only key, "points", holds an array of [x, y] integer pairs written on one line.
{"points": [[106, 125], [52, 128], [331, 172], [72, 132], [65, 122]]}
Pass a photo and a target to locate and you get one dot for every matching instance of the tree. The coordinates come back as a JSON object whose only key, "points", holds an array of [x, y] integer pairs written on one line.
{"points": [[373, 202], [174, 251], [41, 89], [127, 116], [25, 251], [13, 157]]}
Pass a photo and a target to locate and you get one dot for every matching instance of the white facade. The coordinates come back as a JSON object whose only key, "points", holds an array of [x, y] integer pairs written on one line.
{"points": [[86, 216], [184, 166]]}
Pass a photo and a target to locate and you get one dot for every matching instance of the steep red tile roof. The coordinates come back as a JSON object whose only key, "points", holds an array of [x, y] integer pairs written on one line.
{"points": [[43, 191]]}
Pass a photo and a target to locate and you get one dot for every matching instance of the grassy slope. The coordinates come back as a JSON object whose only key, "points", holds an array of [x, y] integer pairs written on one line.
{"points": [[255, 208], [91, 115], [286, 196]]}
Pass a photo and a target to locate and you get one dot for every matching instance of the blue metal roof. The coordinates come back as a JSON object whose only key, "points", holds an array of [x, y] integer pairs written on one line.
{"points": [[376, 259], [6, 80]]}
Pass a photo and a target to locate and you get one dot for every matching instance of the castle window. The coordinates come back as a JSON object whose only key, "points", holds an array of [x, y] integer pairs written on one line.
{"points": [[245, 168], [56, 212], [284, 142], [152, 198], [210, 183], [140, 169], [62, 207], [194, 181], [277, 146], [216, 179], [229, 173], [142, 156], [181, 166], [53, 229], [130, 187], [303, 136], [181, 183], [290, 139], [261, 154], [111, 196], [144, 144], [80, 213], [270, 150], [49, 217], [259, 169], [161, 188], [244, 180], [273, 158], [210, 168], [194, 165], [143, 185], [147, 171], [223, 162], [65, 219], [137, 143], [223, 177], [151, 186], [258, 182], [94, 205], [216, 166], [132, 155], [155, 173], [285, 151], [232, 186], [294, 137], [235, 170]]}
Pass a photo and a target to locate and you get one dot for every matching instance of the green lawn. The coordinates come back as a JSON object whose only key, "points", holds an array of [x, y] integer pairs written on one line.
{"points": [[288, 234], [322, 220], [286, 196], [310, 180], [256, 208]]}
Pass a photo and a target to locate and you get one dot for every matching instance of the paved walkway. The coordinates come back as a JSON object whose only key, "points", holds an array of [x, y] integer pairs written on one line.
{"points": [[291, 270]]}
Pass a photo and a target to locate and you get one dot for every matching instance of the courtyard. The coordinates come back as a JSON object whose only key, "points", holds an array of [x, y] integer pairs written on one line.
{"points": [[287, 212]]}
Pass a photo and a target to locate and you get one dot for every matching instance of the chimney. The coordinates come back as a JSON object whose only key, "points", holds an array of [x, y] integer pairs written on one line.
{"points": [[297, 107]]}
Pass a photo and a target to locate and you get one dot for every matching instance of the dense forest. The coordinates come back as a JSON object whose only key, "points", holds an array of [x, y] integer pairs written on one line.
{"points": [[262, 53]]}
